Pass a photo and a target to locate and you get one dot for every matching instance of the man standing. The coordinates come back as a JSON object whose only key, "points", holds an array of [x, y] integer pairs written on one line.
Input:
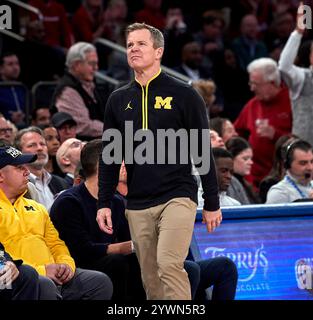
{"points": [[265, 117], [161, 200], [299, 81]]}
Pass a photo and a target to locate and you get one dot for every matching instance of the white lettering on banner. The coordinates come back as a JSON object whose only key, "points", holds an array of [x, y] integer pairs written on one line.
{"points": [[247, 260]]}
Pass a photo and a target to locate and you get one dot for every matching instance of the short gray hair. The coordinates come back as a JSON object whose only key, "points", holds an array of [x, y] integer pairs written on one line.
{"points": [[267, 67], [156, 34], [77, 52], [18, 138]]}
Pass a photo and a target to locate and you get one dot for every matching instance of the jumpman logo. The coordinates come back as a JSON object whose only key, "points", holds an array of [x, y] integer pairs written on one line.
{"points": [[129, 106]]}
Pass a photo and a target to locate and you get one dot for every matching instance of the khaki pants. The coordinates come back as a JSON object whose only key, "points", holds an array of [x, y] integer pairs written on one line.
{"points": [[161, 237]]}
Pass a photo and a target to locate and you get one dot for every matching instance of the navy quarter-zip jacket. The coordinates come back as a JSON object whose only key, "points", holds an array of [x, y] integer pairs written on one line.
{"points": [[163, 103]]}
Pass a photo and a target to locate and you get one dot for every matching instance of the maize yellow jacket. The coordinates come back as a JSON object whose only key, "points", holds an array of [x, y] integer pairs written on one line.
{"points": [[27, 233]]}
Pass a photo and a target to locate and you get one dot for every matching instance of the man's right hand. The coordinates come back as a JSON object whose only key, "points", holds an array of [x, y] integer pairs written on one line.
{"points": [[104, 220]]}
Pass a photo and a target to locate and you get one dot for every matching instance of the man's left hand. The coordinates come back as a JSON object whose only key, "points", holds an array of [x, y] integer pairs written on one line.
{"points": [[212, 219], [65, 273]]}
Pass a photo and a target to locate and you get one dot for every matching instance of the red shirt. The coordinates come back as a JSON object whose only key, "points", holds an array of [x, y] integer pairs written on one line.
{"points": [[278, 113], [82, 24], [154, 18], [57, 27]]}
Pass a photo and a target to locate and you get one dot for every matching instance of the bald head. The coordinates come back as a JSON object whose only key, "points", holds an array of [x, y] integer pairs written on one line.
{"points": [[68, 155]]}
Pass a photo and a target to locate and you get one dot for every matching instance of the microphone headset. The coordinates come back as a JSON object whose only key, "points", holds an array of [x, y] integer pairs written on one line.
{"points": [[287, 153]]}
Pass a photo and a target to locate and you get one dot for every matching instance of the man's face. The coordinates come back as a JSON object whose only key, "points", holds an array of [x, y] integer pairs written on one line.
{"points": [[32, 142], [42, 117], [52, 140], [302, 165], [249, 27], [14, 179], [213, 30], [85, 70], [224, 170], [6, 131], [141, 54], [72, 150], [10, 70], [192, 55], [216, 140], [229, 131], [263, 90], [67, 131]]}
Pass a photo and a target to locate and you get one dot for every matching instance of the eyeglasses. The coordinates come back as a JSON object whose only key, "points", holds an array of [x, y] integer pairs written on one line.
{"points": [[6, 130], [93, 64]]}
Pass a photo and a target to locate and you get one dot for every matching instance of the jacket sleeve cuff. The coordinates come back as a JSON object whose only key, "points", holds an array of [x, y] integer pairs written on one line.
{"points": [[104, 204], [211, 203]]}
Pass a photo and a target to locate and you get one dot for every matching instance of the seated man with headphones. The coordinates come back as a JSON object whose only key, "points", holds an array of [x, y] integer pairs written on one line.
{"points": [[296, 184]]}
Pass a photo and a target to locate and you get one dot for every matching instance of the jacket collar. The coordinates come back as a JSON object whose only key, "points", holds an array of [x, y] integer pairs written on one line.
{"points": [[4, 198]]}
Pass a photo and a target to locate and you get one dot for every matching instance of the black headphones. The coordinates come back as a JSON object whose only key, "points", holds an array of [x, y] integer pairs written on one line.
{"points": [[287, 151]]}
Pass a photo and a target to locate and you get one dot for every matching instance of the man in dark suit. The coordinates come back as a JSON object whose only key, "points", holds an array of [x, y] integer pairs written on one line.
{"points": [[192, 64], [74, 216]]}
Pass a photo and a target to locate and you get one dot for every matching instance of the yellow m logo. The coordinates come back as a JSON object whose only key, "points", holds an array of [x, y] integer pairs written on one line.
{"points": [[165, 103]]}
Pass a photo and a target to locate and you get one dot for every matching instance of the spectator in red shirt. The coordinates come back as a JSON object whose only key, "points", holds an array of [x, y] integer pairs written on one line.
{"points": [[57, 28], [152, 14], [265, 117], [88, 21]]}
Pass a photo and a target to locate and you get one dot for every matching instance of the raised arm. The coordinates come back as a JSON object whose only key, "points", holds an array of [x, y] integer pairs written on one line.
{"points": [[293, 75]]}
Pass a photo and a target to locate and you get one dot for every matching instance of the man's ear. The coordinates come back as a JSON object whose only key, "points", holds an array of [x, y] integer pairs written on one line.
{"points": [[75, 65], [159, 53]]}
